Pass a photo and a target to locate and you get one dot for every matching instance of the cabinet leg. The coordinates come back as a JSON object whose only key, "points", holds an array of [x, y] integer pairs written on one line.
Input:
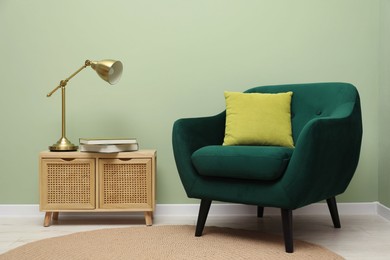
{"points": [[55, 215], [47, 221], [149, 218]]}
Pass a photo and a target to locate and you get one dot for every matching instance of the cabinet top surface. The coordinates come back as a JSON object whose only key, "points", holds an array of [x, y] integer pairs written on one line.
{"points": [[77, 154]]}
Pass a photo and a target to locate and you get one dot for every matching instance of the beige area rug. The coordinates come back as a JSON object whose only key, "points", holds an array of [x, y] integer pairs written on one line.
{"points": [[167, 242]]}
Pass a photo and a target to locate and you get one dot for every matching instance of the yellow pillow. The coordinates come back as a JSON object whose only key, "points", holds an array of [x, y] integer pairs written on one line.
{"points": [[258, 119]]}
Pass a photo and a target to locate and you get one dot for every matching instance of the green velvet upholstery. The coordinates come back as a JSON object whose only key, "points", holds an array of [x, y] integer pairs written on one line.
{"points": [[327, 133], [241, 162]]}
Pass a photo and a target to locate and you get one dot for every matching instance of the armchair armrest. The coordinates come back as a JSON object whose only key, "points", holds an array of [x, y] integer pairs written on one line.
{"points": [[325, 158], [195, 133], [190, 134]]}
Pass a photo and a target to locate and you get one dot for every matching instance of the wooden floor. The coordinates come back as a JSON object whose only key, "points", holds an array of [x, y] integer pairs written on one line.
{"points": [[360, 237]]}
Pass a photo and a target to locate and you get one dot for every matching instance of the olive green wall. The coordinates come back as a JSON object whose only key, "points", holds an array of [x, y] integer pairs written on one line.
{"points": [[384, 107], [179, 56]]}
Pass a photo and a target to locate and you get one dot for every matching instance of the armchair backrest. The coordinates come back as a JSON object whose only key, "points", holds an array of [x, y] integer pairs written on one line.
{"points": [[316, 100]]}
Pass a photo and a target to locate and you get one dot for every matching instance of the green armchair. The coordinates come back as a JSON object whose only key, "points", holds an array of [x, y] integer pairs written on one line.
{"points": [[327, 132]]}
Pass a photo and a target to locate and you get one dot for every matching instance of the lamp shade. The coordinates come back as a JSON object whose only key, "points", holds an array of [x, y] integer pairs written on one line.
{"points": [[108, 70]]}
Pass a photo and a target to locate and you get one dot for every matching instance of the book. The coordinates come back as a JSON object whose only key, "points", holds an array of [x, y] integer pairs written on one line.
{"points": [[108, 148], [108, 141]]}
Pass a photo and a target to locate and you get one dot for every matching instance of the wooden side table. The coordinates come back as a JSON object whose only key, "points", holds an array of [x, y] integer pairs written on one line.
{"points": [[97, 182]]}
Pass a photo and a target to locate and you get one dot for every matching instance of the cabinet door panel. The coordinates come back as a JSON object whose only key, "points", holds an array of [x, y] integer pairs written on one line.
{"points": [[67, 184], [125, 184]]}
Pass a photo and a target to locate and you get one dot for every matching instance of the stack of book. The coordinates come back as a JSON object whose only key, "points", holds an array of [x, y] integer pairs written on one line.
{"points": [[108, 145]]}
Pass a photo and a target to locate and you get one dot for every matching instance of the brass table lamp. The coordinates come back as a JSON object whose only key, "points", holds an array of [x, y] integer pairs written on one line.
{"points": [[108, 70]]}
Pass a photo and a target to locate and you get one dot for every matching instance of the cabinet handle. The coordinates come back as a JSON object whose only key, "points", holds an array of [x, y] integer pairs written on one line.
{"points": [[68, 159], [125, 159]]}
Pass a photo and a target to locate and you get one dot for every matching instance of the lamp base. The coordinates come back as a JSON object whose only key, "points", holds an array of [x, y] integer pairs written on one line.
{"points": [[63, 145]]}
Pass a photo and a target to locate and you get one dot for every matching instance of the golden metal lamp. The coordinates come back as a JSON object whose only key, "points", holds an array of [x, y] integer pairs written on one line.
{"points": [[108, 70]]}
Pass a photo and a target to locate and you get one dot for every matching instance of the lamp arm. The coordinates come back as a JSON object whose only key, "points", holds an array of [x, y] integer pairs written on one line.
{"points": [[64, 82]]}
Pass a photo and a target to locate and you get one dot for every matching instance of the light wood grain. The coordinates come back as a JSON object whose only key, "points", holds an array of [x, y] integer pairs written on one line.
{"points": [[97, 182]]}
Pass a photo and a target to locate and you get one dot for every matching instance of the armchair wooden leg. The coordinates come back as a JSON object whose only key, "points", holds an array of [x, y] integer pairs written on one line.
{"points": [[332, 205], [203, 212], [288, 230], [260, 211]]}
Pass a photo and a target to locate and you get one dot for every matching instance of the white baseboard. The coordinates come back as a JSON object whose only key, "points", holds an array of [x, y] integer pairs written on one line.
{"points": [[369, 208], [383, 211], [177, 210]]}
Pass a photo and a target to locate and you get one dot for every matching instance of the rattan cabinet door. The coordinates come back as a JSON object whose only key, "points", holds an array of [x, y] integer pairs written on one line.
{"points": [[125, 184], [67, 184]]}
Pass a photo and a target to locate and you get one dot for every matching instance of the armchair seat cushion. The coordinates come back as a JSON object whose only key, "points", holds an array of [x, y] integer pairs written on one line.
{"points": [[263, 163]]}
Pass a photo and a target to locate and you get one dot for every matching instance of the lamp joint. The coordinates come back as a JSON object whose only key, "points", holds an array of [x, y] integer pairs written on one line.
{"points": [[63, 83]]}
